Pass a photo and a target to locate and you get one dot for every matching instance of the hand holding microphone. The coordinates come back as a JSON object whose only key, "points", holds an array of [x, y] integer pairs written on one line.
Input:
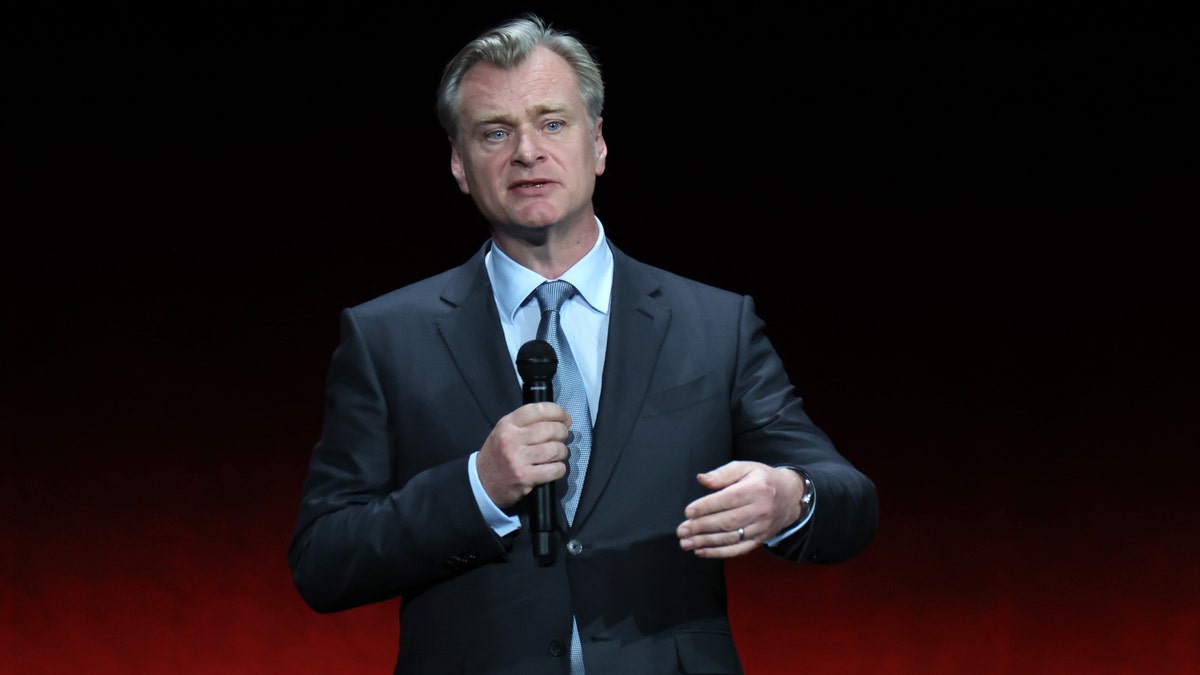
{"points": [[527, 447]]}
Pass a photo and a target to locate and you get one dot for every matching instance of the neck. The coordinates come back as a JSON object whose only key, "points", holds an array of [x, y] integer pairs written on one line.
{"points": [[549, 251]]}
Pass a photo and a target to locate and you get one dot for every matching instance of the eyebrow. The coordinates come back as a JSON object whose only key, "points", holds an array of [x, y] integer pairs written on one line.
{"points": [[539, 111]]}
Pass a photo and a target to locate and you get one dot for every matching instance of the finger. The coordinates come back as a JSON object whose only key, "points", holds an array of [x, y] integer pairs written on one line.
{"points": [[723, 552], [542, 411], [553, 451], [725, 475], [546, 472], [547, 432], [721, 544], [719, 502], [716, 529]]}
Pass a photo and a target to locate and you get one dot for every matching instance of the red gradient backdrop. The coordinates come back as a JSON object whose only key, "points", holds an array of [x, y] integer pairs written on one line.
{"points": [[990, 311]]}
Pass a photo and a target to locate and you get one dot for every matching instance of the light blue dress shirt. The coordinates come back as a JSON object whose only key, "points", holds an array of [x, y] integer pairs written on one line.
{"points": [[584, 320]]}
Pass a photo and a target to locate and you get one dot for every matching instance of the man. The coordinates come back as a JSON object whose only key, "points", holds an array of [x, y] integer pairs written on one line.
{"points": [[688, 445]]}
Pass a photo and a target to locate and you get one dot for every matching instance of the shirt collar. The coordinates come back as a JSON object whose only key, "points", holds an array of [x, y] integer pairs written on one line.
{"points": [[592, 276]]}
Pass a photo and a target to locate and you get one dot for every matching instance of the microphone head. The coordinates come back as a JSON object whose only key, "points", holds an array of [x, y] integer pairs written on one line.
{"points": [[536, 360]]}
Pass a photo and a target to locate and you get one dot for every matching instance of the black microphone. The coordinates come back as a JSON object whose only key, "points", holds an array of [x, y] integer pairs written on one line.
{"points": [[537, 363]]}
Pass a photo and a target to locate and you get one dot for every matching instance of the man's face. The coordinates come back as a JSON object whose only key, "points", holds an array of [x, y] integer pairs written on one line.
{"points": [[527, 153]]}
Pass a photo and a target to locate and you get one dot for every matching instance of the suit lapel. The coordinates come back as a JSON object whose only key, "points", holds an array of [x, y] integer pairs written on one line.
{"points": [[637, 327], [472, 334]]}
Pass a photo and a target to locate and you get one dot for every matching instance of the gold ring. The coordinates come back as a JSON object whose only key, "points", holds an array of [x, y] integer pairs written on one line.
{"points": [[741, 534]]}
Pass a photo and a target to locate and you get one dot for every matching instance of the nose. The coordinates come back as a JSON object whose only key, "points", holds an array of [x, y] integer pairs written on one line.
{"points": [[528, 150]]}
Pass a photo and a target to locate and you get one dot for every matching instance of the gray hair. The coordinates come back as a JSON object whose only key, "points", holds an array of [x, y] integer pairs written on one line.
{"points": [[506, 47]]}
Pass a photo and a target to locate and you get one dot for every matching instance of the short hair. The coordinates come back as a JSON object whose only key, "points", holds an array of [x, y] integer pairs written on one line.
{"points": [[508, 46]]}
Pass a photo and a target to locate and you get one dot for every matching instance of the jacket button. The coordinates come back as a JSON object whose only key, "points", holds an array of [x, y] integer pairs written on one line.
{"points": [[574, 547], [557, 648]]}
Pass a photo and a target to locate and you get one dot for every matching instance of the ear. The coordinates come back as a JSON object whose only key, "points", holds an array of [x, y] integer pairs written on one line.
{"points": [[601, 147], [457, 170]]}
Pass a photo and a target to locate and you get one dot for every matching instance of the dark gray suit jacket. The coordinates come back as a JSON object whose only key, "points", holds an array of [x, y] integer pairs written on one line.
{"points": [[421, 376]]}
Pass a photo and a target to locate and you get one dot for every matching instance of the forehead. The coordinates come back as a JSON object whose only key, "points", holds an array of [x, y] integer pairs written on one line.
{"points": [[543, 81]]}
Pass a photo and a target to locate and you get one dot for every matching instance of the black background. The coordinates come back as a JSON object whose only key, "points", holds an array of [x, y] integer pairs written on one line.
{"points": [[969, 233]]}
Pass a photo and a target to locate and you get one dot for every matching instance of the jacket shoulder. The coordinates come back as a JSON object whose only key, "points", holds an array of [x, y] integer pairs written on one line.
{"points": [[437, 293], [658, 281]]}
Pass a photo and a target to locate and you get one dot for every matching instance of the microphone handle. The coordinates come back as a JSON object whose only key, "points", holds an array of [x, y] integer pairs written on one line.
{"points": [[542, 517]]}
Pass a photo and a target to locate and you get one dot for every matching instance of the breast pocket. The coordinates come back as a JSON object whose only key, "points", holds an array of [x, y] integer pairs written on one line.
{"points": [[682, 396]]}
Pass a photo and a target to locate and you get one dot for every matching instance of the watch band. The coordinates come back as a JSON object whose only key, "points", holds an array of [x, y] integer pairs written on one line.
{"points": [[810, 495]]}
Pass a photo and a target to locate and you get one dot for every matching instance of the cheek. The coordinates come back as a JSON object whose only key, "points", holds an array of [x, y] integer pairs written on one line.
{"points": [[483, 171]]}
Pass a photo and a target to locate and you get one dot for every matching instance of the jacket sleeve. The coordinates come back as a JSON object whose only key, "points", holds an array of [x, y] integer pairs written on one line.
{"points": [[771, 426], [362, 536]]}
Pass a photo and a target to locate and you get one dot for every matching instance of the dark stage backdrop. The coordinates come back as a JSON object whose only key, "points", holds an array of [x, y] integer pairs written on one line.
{"points": [[968, 235]]}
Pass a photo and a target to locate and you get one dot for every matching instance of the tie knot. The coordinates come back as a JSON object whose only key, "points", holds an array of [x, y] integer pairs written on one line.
{"points": [[551, 294]]}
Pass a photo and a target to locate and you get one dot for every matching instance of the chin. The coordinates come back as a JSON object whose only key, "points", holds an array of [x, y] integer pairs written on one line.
{"points": [[537, 221]]}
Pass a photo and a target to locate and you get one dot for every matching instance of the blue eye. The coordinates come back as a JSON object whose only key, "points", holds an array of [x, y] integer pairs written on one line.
{"points": [[496, 135], [553, 126]]}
